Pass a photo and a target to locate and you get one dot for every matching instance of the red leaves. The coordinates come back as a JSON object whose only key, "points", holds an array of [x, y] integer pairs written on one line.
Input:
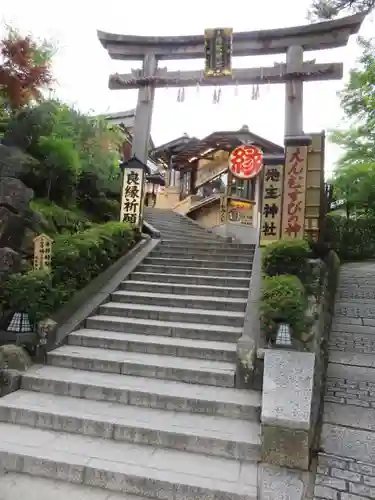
{"points": [[25, 70]]}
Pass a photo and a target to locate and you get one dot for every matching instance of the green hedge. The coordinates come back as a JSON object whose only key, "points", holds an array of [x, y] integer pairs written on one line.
{"points": [[283, 300], [288, 257], [352, 239], [76, 260]]}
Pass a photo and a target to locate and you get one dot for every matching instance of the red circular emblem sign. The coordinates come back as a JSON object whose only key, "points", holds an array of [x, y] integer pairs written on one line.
{"points": [[246, 162]]}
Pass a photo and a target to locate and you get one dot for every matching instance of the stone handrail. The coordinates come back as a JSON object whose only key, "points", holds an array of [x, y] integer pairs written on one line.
{"points": [[249, 342]]}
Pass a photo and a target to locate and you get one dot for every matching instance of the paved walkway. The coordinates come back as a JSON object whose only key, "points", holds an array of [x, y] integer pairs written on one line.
{"points": [[346, 468]]}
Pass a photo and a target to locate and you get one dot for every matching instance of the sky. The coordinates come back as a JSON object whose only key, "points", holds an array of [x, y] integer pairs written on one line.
{"points": [[82, 66]]}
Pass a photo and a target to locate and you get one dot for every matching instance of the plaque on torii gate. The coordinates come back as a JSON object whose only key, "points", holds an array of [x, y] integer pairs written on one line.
{"points": [[290, 41]]}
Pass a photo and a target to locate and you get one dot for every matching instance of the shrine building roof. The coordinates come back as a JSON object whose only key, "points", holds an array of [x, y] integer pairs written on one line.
{"points": [[194, 149]]}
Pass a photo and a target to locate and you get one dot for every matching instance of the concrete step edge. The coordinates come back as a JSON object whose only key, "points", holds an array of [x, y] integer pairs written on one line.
{"points": [[140, 391], [194, 433], [154, 344], [168, 324], [199, 371], [198, 298], [101, 463]]}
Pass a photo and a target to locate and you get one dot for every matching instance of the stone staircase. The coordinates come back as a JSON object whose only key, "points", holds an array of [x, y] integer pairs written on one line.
{"points": [[142, 400]]}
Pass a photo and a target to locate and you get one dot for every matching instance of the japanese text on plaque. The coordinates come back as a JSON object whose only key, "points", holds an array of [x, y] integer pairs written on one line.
{"points": [[42, 252], [294, 192], [272, 203], [131, 205]]}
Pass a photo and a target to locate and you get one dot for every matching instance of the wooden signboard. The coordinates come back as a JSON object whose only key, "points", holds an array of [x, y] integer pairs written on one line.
{"points": [[271, 204], [240, 212], [218, 52], [132, 195], [294, 197], [42, 252]]}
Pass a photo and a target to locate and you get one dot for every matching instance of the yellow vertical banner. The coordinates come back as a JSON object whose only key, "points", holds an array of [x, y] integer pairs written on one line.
{"points": [[315, 194], [271, 204], [294, 196]]}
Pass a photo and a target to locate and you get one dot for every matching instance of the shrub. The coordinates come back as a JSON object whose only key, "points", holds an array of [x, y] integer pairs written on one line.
{"points": [[286, 257], [76, 260], [352, 239], [283, 300], [31, 292], [58, 219]]}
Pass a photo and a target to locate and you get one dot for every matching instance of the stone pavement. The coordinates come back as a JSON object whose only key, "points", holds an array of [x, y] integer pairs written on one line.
{"points": [[346, 465]]}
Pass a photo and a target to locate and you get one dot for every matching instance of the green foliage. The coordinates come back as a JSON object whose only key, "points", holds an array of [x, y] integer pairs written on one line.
{"points": [[59, 168], [77, 156], [76, 260], [92, 251], [352, 239], [328, 9], [284, 300], [57, 219], [287, 257], [354, 175], [31, 292]]}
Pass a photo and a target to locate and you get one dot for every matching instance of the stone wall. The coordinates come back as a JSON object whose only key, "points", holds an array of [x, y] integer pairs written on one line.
{"points": [[14, 208], [320, 337], [293, 383]]}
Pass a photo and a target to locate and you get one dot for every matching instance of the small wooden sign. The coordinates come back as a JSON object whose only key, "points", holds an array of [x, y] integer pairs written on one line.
{"points": [[42, 252], [240, 212], [218, 52]]}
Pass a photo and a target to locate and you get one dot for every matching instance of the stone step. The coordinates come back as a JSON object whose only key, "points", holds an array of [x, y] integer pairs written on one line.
{"points": [[224, 245], [145, 326], [17, 486], [207, 262], [205, 271], [152, 344], [216, 436], [125, 467], [194, 371], [189, 233], [144, 392], [189, 279], [177, 227], [186, 253], [176, 314], [174, 300], [178, 289], [181, 238]]}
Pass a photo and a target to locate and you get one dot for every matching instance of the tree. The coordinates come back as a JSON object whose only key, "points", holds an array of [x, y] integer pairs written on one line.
{"points": [[328, 9], [25, 70], [354, 176]]}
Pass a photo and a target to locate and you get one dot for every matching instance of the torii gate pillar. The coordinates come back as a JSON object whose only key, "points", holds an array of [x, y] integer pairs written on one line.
{"points": [[294, 93], [144, 109]]}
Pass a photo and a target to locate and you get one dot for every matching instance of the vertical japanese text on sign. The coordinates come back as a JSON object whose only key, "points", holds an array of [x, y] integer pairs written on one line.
{"points": [[131, 203], [271, 204], [294, 192], [218, 52], [223, 209], [42, 252]]}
